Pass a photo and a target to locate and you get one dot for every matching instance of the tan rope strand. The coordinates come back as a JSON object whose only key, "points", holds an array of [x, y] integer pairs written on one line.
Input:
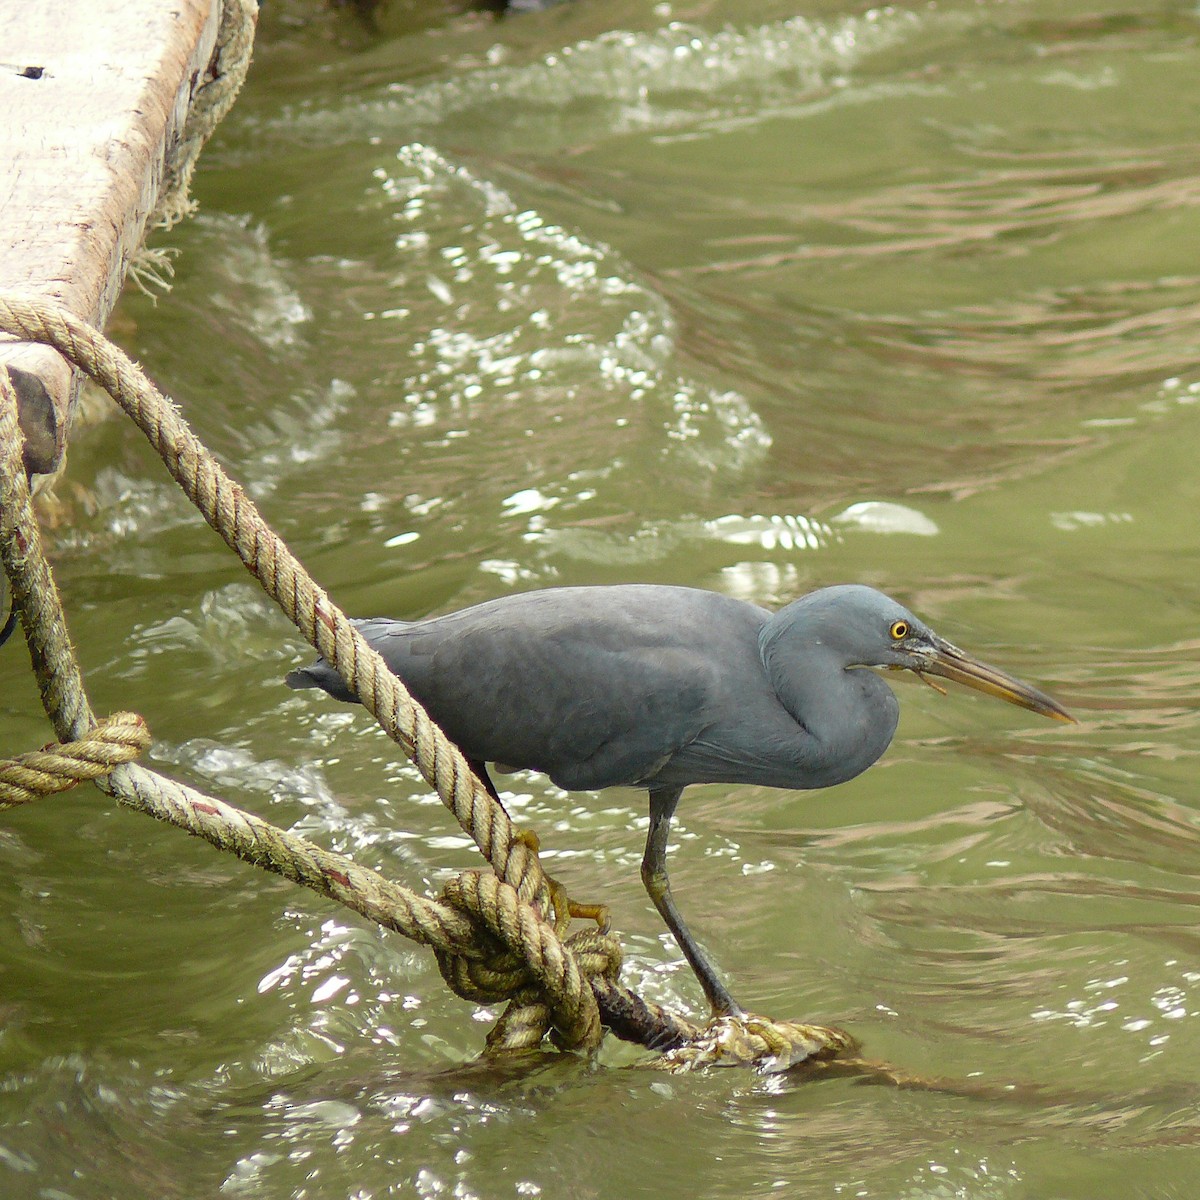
{"points": [[226, 827], [226, 507], [234, 516], [33, 590], [264, 845]]}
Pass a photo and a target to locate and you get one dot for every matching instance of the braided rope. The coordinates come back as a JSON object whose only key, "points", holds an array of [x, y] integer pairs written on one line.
{"points": [[769, 1044], [552, 962], [221, 824], [227, 508], [211, 101]]}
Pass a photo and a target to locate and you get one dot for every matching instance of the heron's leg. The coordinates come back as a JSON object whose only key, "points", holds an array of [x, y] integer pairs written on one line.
{"points": [[654, 876]]}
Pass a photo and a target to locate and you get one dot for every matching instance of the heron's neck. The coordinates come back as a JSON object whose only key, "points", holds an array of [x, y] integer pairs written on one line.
{"points": [[847, 715]]}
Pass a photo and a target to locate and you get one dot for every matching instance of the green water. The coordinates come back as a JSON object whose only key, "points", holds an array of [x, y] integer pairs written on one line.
{"points": [[654, 292]]}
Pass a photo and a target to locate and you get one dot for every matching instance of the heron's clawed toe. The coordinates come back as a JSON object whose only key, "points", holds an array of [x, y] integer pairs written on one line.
{"points": [[746, 1039], [591, 912]]}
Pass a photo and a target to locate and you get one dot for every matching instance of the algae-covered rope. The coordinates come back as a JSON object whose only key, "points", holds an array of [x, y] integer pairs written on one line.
{"points": [[211, 101]]}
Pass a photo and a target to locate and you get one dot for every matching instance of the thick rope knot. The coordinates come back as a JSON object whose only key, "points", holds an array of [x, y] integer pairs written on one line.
{"points": [[528, 964], [119, 739]]}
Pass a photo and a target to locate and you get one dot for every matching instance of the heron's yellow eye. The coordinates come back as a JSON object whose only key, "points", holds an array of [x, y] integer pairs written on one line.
{"points": [[899, 630]]}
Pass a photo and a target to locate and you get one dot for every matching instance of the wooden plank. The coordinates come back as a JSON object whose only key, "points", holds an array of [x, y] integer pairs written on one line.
{"points": [[93, 96]]}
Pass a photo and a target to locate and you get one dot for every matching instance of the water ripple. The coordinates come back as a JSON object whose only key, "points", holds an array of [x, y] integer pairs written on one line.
{"points": [[674, 77]]}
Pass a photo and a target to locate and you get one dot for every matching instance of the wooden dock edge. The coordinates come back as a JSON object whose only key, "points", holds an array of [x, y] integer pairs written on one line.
{"points": [[94, 97]]}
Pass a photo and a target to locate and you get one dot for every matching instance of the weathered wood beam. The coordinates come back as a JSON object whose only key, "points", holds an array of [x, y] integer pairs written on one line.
{"points": [[93, 98]]}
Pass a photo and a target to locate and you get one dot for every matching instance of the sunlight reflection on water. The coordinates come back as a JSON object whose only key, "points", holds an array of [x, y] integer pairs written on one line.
{"points": [[746, 301]]}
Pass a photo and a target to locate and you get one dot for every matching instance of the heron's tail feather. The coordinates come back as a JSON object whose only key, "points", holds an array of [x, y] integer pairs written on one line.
{"points": [[321, 675]]}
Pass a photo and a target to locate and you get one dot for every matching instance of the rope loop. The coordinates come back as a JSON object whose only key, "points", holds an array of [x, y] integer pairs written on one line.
{"points": [[529, 965], [121, 738]]}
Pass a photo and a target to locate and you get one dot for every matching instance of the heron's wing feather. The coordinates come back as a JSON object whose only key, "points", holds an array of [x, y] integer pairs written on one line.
{"points": [[594, 686], [768, 752], [588, 712]]}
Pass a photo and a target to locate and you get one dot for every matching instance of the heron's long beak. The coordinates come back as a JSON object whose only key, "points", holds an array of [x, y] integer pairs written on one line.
{"points": [[951, 663]]}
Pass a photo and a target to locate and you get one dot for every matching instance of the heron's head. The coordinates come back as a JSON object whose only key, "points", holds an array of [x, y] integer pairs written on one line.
{"points": [[868, 629]]}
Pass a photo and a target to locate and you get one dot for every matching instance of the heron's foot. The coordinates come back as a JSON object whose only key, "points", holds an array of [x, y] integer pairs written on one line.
{"points": [[767, 1045], [566, 909], [591, 912]]}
